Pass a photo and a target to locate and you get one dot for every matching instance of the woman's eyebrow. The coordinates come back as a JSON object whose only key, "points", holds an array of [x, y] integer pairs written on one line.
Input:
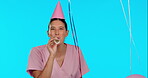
{"points": [[52, 27], [62, 26]]}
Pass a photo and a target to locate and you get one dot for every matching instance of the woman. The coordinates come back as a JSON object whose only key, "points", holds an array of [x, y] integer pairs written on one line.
{"points": [[57, 59]]}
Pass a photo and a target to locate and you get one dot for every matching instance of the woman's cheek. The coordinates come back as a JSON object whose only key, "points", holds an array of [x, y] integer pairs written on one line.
{"points": [[52, 33]]}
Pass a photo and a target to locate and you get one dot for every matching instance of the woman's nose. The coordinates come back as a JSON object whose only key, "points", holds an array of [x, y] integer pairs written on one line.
{"points": [[57, 32]]}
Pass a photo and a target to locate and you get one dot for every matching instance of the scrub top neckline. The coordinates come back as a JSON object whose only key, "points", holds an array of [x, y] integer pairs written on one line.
{"points": [[64, 61]]}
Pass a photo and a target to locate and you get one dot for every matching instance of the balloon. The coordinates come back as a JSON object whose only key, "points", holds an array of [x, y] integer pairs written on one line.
{"points": [[135, 76]]}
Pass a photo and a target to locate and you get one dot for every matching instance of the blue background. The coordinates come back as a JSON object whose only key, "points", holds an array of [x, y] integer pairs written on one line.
{"points": [[102, 32]]}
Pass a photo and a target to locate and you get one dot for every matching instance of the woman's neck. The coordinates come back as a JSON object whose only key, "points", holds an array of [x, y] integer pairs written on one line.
{"points": [[61, 49]]}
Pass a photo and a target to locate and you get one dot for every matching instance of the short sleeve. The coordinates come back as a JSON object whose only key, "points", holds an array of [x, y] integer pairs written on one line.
{"points": [[83, 66], [35, 61]]}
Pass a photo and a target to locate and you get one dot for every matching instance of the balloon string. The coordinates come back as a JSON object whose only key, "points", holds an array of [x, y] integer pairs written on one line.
{"points": [[75, 32], [75, 38], [131, 37], [73, 35], [73, 25], [130, 25]]}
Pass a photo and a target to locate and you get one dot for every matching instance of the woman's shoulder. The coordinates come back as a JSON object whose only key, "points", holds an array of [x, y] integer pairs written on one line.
{"points": [[40, 47], [73, 47], [70, 45]]}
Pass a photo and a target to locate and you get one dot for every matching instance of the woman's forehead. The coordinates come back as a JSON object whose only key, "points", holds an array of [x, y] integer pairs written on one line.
{"points": [[57, 22]]}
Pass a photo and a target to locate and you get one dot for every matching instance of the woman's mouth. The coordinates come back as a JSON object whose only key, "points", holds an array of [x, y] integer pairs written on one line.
{"points": [[57, 40]]}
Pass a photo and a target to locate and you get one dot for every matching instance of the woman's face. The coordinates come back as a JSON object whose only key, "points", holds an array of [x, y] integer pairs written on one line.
{"points": [[57, 30]]}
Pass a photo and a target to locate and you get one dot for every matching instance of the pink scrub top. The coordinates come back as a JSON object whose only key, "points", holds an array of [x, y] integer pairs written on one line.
{"points": [[71, 67]]}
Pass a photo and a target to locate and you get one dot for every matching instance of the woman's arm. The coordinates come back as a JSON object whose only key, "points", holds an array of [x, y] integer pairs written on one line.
{"points": [[46, 73]]}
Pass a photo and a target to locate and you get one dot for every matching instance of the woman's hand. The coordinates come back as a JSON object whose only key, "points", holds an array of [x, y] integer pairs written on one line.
{"points": [[52, 47]]}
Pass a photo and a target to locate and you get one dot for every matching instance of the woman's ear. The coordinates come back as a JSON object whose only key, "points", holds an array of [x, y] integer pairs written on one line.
{"points": [[48, 33], [66, 33]]}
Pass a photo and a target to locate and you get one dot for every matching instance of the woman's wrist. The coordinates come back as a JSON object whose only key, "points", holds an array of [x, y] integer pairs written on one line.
{"points": [[51, 56]]}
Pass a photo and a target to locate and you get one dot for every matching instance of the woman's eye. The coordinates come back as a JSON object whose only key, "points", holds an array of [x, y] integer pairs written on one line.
{"points": [[52, 28], [61, 28]]}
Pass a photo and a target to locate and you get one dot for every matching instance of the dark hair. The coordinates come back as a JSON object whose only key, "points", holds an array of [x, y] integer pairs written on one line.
{"points": [[62, 20]]}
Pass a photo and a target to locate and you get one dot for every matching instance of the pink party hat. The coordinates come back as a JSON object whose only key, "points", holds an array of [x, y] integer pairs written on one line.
{"points": [[58, 13], [135, 76]]}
